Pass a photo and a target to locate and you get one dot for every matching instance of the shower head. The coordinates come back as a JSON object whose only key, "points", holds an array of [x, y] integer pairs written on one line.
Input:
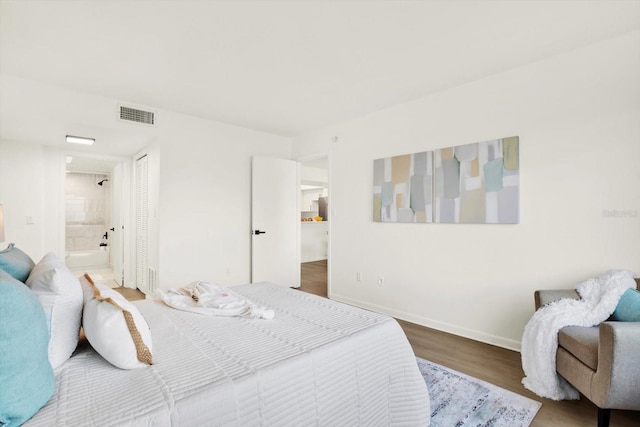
{"points": [[103, 181]]}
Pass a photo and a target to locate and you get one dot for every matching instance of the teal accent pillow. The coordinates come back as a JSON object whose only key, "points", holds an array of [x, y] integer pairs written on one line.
{"points": [[628, 308], [16, 263], [26, 377]]}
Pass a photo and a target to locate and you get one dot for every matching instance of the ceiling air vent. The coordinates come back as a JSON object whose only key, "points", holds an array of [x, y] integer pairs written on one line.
{"points": [[138, 116]]}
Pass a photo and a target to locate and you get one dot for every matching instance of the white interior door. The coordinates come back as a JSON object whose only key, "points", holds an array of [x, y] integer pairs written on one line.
{"points": [[275, 218], [117, 224]]}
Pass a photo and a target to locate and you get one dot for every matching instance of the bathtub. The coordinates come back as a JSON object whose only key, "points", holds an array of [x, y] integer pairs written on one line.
{"points": [[94, 258]]}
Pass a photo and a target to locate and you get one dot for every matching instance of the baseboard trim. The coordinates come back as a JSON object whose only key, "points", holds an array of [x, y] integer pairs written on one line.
{"points": [[434, 324]]}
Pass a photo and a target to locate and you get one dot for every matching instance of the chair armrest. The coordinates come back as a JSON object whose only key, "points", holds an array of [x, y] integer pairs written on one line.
{"points": [[616, 383], [546, 296]]}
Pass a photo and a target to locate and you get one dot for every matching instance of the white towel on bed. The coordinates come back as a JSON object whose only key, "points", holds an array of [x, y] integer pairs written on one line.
{"points": [[599, 297], [213, 300]]}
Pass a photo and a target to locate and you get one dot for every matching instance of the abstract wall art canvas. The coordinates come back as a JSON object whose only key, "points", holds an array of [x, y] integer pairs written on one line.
{"points": [[403, 188], [475, 183], [478, 183]]}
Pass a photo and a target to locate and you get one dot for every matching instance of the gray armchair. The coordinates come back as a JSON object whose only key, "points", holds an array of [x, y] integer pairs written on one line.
{"points": [[602, 362]]}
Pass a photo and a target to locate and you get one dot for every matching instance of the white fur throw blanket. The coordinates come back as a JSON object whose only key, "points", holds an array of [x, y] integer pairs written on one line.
{"points": [[599, 297], [213, 300]]}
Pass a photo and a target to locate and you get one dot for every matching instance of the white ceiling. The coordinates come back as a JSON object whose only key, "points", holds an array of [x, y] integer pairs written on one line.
{"points": [[284, 67]]}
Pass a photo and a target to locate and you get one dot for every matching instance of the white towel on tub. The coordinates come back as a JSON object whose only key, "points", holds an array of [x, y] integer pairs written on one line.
{"points": [[212, 299]]}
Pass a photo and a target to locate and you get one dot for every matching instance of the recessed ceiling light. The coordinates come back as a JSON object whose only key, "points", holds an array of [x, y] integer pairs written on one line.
{"points": [[80, 140]]}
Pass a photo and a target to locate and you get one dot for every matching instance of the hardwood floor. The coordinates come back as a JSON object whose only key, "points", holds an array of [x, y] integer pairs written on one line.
{"points": [[493, 364], [313, 277]]}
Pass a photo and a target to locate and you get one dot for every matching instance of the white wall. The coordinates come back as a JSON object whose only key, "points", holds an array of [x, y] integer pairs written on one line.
{"points": [[21, 192], [204, 199], [31, 186], [312, 175], [578, 119]]}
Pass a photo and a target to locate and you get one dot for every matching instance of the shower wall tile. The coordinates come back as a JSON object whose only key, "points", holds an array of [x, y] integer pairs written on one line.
{"points": [[87, 211], [77, 230], [84, 243]]}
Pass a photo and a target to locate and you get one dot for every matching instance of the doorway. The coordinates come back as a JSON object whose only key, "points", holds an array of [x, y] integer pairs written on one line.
{"points": [[94, 217], [314, 216]]}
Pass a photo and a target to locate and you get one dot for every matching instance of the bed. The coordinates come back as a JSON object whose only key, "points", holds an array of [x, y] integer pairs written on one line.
{"points": [[317, 362]]}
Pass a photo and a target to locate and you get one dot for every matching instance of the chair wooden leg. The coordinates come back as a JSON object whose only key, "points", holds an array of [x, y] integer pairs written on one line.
{"points": [[604, 415]]}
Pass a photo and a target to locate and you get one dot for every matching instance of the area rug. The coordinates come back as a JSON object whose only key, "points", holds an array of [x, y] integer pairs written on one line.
{"points": [[461, 400]]}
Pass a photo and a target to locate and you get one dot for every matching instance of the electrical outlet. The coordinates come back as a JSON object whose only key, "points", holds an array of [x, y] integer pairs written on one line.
{"points": [[380, 280], [359, 276]]}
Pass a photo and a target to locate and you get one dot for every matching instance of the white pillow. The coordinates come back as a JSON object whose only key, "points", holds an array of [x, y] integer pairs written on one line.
{"points": [[60, 294], [114, 327]]}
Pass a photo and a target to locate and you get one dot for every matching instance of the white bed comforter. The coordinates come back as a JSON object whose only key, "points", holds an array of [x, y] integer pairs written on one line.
{"points": [[318, 362], [598, 299]]}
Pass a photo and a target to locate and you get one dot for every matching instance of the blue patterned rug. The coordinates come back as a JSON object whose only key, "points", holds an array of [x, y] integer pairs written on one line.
{"points": [[461, 400]]}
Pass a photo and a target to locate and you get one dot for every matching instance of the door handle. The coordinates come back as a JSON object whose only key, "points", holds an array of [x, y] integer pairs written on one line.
{"points": [[256, 232]]}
